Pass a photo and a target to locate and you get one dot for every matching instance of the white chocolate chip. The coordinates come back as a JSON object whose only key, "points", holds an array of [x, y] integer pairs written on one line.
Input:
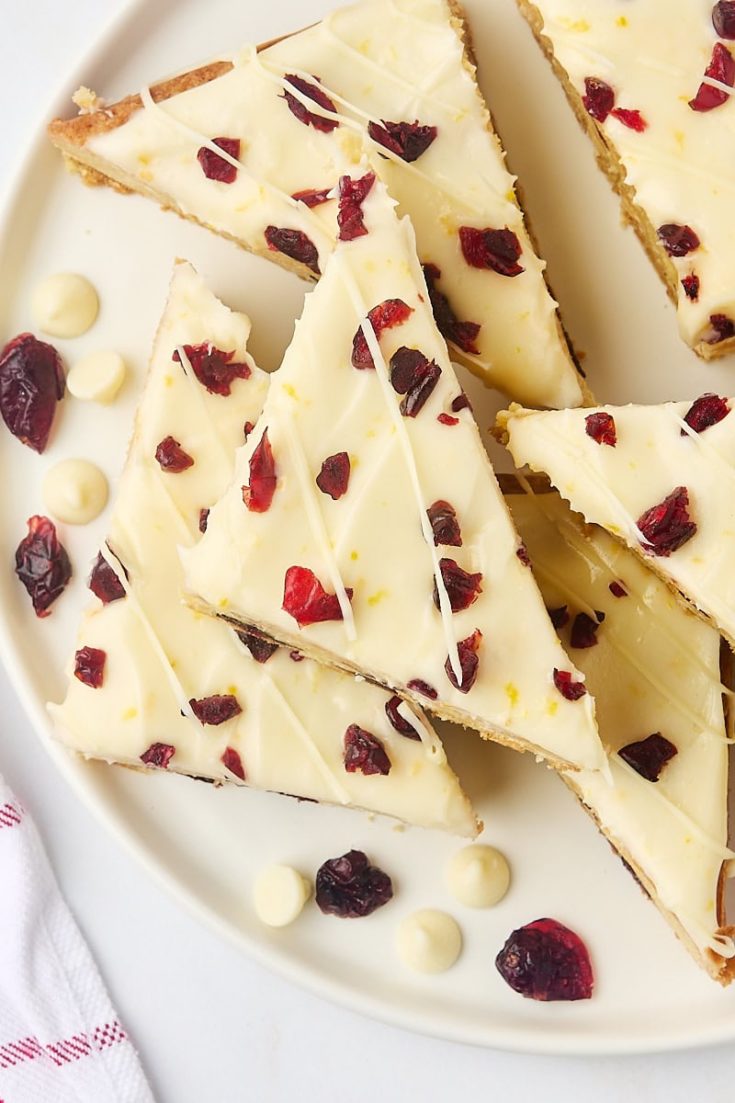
{"points": [[478, 876], [75, 491], [279, 895], [97, 377], [64, 305], [429, 941]]}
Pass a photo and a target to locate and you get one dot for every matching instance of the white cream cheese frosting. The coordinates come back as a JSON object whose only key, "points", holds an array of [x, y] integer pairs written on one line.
{"points": [[372, 550], [653, 55], [395, 61], [658, 459], [655, 667], [161, 658]]}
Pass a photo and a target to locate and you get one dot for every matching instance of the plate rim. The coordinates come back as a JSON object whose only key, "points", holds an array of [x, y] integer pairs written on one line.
{"points": [[530, 1040]]}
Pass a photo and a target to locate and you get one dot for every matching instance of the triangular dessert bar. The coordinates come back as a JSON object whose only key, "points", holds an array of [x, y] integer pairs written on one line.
{"points": [[365, 525]]}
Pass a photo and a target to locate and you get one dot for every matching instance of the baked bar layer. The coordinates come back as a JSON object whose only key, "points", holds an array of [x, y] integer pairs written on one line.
{"points": [[631, 72], [413, 554], [160, 656], [375, 65], [654, 667]]}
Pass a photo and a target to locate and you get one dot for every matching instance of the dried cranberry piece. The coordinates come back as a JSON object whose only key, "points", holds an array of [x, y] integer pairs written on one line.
{"points": [[461, 402], [522, 554], [260, 648], [296, 656], [42, 565], [213, 367], [630, 118], [418, 686], [566, 685], [407, 140], [233, 763], [258, 494], [217, 709], [598, 98], [203, 519], [247, 429], [649, 756], [402, 726], [306, 600], [447, 419], [315, 93], [705, 411], [462, 587], [412, 375], [617, 589], [723, 328], [468, 660], [721, 68], [667, 526], [601, 427], [89, 666], [461, 334], [364, 752], [104, 583], [350, 887], [352, 194], [444, 524], [158, 754], [690, 284], [584, 631], [312, 197], [172, 457], [723, 18], [386, 315], [558, 616], [498, 250], [546, 961], [294, 244], [215, 167], [334, 476], [677, 240], [31, 383]]}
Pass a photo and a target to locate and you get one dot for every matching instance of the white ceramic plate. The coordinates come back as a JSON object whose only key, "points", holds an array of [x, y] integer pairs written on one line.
{"points": [[206, 844]]}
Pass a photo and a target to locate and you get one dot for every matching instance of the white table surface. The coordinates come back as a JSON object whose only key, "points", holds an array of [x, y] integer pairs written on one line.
{"points": [[211, 1026]]}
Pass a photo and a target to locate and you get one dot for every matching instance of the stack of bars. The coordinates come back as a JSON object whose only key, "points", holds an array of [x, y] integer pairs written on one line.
{"points": [[354, 564]]}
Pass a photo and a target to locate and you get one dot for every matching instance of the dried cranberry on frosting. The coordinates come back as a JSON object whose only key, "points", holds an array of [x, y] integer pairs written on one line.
{"points": [[570, 689], [334, 476], [364, 752], [649, 756], [386, 315], [310, 91], [705, 411], [601, 427], [89, 666], [306, 600], [407, 140], [497, 250], [294, 244], [469, 662], [397, 721], [158, 754], [722, 69], [215, 710], [352, 195], [104, 582], [171, 457], [215, 368], [312, 197], [413, 376], [667, 526], [463, 588], [219, 168], [232, 762], [258, 494], [444, 524]]}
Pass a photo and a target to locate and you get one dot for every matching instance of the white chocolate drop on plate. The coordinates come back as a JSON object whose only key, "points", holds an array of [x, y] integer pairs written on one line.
{"points": [[64, 305], [279, 895], [429, 941], [97, 377], [75, 491], [478, 876]]}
